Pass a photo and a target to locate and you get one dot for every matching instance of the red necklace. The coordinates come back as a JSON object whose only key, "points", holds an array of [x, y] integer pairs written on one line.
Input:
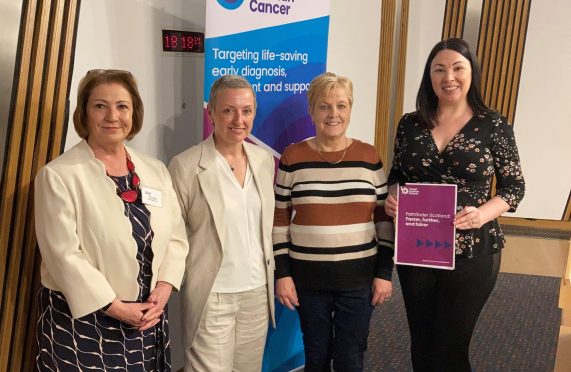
{"points": [[133, 193]]}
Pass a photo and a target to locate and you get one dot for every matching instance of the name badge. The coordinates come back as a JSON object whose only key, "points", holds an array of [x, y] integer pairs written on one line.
{"points": [[152, 196]]}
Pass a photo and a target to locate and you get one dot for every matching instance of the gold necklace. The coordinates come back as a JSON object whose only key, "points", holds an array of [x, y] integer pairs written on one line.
{"points": [[233, 168], [331, 162]]}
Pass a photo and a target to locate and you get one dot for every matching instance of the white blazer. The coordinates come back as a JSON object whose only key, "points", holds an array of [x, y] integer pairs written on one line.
{"points": [[88, 252], [196, 182]]}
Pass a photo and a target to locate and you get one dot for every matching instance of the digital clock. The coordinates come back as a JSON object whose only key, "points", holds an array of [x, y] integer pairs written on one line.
{"points": [[183, 41]]}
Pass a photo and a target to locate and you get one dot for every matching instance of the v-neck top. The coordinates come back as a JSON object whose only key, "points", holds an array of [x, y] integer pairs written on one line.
{"points": [[485, 146], [242, 266]]}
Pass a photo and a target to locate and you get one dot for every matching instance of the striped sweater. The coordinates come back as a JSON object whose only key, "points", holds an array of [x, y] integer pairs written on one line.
{"points": [[330, 229]]}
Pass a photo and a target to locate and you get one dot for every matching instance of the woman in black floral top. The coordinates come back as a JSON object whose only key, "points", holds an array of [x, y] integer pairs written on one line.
{"points": [[453, 137]]}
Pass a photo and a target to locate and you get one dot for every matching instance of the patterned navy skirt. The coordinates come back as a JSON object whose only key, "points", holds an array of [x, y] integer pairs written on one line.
{"points": [[97, 342]]}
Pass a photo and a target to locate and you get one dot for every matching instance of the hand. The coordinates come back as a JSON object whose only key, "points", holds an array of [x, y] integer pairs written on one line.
{"points": [[469, 218], [127, 312], [391, 206], [382, 291], [285, 291], [159, 297]]}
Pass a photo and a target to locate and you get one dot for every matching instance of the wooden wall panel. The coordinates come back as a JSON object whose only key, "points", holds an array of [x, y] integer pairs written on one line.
{"points": [[454, 17], [503, 28], [36, 132], [384, 82], [401, 64], [16, 291], [389, 106], [567, 211], [11, 167]]}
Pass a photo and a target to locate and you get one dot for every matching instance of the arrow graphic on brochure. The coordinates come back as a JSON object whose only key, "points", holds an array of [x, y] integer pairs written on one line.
{"points": [[428, 244]]}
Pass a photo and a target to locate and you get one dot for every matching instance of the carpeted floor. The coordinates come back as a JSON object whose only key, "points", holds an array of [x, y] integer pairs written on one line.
{"points": [[517, 330]]}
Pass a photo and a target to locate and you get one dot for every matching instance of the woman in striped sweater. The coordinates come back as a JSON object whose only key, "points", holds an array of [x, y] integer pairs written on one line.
{"points": [[333, 242]]}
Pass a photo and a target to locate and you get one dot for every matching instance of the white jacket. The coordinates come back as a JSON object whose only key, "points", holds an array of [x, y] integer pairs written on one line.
{"points": [[88, 252]]}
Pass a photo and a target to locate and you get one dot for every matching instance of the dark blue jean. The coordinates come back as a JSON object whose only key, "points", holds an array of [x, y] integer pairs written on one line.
{"points": [[335, 326]]}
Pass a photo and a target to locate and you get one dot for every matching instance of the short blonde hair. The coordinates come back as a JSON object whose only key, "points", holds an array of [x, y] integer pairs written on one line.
{"points": [[229, 82], [95, 78], [324, 84]]}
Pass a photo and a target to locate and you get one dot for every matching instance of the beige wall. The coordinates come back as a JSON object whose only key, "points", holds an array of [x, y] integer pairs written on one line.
{"points": [[543, 114], [353, 51], [126, 35]]}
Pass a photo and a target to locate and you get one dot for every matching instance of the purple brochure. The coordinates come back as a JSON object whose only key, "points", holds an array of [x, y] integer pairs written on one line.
{"points": [[424, 225]]}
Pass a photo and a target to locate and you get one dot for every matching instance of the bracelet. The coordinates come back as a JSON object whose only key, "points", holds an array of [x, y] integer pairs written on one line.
{"points": [[106, 307]]}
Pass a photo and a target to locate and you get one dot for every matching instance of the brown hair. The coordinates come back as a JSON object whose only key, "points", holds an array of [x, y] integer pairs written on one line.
{"points": [[324, 84], [93, 79]]}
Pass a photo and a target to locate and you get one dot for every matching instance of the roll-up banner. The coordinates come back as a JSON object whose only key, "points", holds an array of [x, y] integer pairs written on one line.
{"points": [[279, 46]]}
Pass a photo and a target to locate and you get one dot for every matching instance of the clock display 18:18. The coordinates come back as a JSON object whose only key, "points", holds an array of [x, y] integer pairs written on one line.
{"points": [[183, 41]]}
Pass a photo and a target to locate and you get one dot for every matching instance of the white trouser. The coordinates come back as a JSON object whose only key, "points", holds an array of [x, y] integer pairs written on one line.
{"points": [[232, 333]]}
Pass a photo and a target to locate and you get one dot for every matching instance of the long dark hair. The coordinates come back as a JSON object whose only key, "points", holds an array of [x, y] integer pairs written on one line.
{"points": [[426, 99]]}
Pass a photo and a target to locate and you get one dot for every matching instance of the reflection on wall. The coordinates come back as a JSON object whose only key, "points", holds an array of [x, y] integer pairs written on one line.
{"points": [[10, 19]]}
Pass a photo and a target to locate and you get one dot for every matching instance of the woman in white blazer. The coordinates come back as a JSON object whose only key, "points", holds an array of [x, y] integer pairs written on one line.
{"points": [[225, 189], [111, 237]]}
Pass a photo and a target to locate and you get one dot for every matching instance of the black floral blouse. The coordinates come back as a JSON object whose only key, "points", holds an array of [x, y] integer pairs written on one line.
{"points": [[483, 147]]}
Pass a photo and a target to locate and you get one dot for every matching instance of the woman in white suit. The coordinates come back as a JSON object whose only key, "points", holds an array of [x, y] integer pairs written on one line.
{"points": [[111, 237], [225, 189]]}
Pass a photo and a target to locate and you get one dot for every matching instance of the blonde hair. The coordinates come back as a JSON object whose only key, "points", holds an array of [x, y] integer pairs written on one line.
{"points": [[324, 84], [229, 82]]}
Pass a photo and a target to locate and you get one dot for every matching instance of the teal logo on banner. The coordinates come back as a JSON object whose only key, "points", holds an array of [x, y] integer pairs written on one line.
{"points": [[230, 4]]}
